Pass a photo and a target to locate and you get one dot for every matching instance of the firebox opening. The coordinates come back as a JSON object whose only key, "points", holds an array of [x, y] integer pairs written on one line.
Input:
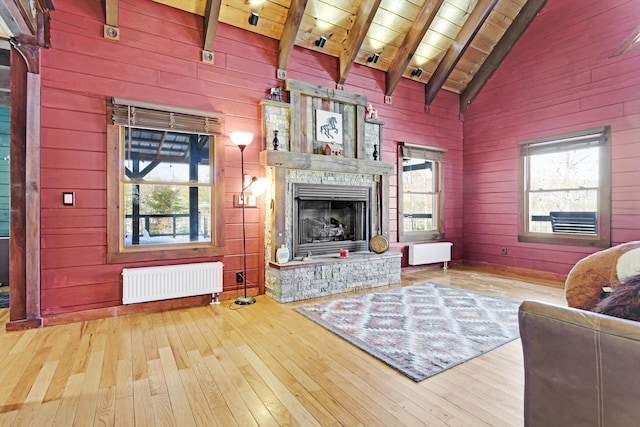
{"points": [[330, 218]]}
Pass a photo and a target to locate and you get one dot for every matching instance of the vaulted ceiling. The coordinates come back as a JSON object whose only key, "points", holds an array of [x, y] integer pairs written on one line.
{"points": [[454, 45]]}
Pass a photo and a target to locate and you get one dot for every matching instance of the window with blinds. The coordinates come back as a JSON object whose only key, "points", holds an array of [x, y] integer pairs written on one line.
{"points": [[565, 191], [420, 192], [164, 192]]}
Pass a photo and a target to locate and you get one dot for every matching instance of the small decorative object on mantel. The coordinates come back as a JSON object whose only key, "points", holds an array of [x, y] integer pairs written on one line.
{"points": [[275, 140], [375, 151], [370, 112], [275, 94], [333, 150], [282, 254]]}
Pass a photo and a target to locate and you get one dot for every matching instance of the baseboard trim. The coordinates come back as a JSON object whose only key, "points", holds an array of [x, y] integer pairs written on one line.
{"points": [[125, 310], [23, 325], [555, 280]]}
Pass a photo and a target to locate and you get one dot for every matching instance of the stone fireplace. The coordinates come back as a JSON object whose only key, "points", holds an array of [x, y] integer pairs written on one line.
{"points": [[327, 194], [319, 205]]}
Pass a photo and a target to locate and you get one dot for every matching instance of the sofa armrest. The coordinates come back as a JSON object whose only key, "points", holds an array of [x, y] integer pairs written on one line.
{"points": [[580, 367]]}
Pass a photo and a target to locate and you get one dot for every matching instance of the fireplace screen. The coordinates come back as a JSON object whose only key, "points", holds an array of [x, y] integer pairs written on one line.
{"points": [[330, 218]]}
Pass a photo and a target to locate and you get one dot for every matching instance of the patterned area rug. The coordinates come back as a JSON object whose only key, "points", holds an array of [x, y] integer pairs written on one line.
{"points": [[423, 329], [4, 299]]}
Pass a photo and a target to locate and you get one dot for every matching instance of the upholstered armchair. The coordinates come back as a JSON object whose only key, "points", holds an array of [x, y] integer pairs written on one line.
{"points": [[581, 368]]}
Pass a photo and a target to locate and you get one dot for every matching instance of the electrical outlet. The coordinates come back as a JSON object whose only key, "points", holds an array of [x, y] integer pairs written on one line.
{"points": [[239, 278], [503, 250]]}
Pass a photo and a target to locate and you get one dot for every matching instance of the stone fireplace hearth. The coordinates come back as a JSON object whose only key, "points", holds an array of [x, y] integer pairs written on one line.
{"points": [[366, 184]]}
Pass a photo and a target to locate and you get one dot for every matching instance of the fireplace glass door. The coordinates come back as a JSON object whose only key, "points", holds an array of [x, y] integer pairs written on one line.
{"points": [[327, 221]]}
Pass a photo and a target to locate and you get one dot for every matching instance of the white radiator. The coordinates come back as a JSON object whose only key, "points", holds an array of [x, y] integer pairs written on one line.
{"points": [[171, 281], [430, 253]]}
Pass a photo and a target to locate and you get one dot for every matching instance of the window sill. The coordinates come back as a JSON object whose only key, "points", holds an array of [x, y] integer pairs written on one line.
{"points": [[565, 240], [422, 236], [163, 253]]}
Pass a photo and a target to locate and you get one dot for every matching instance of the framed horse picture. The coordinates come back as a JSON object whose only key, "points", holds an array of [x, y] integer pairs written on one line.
{"points": [[328, 127]]}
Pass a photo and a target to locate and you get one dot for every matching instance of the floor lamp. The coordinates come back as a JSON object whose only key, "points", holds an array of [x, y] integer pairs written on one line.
{"points": [[242, 140]]}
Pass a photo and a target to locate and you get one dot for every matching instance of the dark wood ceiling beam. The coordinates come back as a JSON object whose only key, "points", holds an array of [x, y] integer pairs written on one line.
{"points": [[500, 52], [111, 30], [290, 32], [211, 15], [411, 42], [464, 38], [161, 144], [357, 34]]}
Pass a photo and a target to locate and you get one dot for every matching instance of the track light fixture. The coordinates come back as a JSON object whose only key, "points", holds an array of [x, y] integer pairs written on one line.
{"points": [[417, 72], [373, 58], [321, 41], [253, 19]]}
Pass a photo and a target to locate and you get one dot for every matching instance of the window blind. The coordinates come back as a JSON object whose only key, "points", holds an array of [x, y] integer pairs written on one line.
{"points": [[141, 114], [424, 153], [574, 141]]}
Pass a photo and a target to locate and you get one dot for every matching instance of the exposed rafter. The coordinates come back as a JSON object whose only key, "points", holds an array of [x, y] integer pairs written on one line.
{"points": [[464, 38], [290, 32], [356, 37], [411, 42], [500, 52], [211, 15], [397, 31], [111, 30]]}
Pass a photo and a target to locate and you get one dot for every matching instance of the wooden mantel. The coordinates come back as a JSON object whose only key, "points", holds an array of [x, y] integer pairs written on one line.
{"points": [[289, 160]]}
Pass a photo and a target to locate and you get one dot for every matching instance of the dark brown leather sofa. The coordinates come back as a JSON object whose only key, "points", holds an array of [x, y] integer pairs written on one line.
{"points": [[581, 368]]}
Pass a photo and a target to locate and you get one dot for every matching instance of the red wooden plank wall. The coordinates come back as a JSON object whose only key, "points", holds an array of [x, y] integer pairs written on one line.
{"points": [[559, 77], [158, 60]]}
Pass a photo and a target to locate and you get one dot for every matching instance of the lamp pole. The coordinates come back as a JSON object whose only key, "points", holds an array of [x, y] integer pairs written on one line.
{"points": [[244, 300], [242, 139]]}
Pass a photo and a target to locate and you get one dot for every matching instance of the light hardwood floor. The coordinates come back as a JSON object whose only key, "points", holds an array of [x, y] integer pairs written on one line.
{"points": [[263, 364]]}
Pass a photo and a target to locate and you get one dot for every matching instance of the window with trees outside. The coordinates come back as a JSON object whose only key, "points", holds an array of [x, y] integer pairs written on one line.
{"points": [[565, 184], [164, 186], [420, 190]]}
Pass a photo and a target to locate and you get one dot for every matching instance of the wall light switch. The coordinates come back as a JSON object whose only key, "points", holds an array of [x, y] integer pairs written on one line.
{"points": [[251, 201], [68, 198]]}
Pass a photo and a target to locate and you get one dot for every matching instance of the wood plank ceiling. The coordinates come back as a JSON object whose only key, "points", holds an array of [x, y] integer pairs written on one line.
{"points": [[454, 45]]}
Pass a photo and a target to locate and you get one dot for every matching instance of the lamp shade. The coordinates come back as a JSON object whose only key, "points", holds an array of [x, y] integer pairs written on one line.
{"points": [[241, 139], [259, 186]]}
